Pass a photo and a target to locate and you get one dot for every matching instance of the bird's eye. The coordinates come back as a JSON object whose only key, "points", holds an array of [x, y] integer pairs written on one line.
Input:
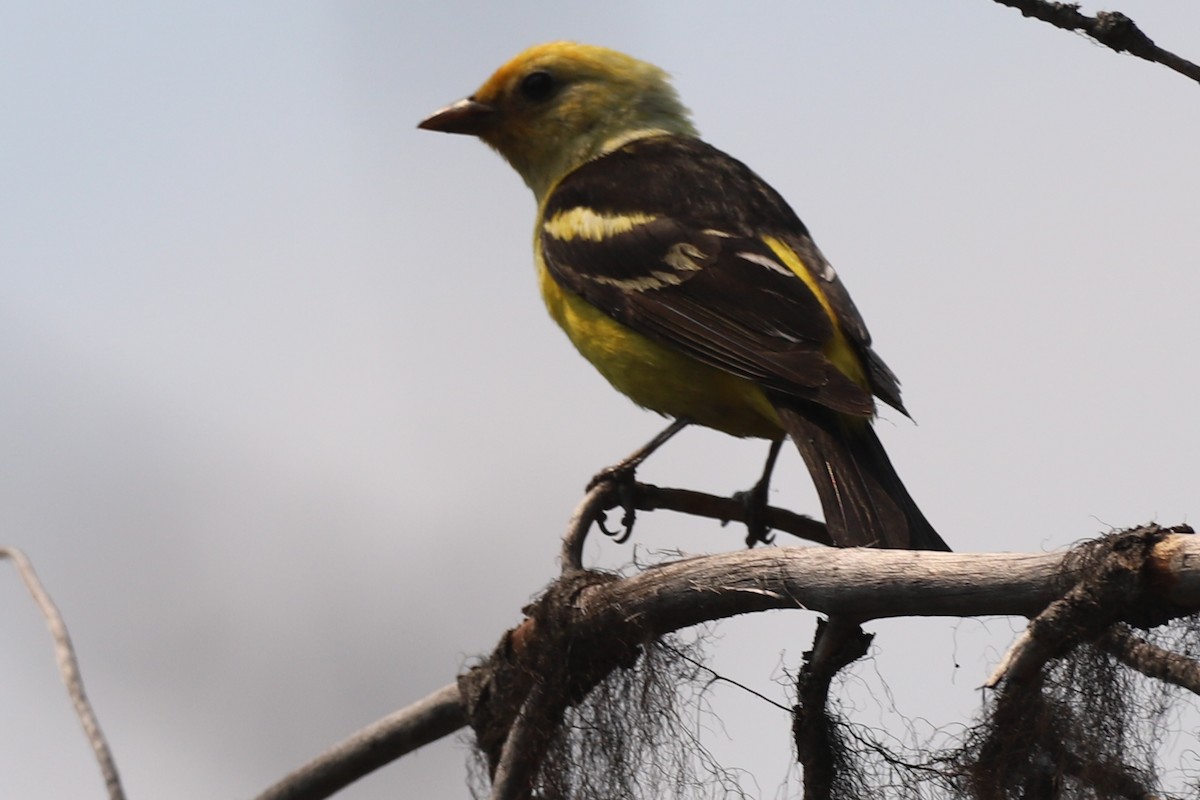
{"points": [[538, 86]]}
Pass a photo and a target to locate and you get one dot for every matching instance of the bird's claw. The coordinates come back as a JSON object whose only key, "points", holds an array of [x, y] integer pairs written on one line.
{"points": [[621, 478], [755, 502]]}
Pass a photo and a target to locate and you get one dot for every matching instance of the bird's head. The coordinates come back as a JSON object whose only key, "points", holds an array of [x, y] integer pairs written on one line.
{"points": [[558, 105]]}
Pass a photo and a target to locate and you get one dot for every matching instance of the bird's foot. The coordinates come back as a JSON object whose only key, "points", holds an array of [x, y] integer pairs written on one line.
{"points": [[754, 500], [622, 478]]}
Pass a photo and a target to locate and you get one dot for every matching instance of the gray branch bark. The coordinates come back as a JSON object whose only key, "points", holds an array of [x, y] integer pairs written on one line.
{"points": [[856, 584]]}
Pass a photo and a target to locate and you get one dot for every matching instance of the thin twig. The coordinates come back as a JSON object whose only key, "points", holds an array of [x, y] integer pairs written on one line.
{"points": [[68, 668], [598, 499], [648, 497], [1109, 28], [729, 509]]}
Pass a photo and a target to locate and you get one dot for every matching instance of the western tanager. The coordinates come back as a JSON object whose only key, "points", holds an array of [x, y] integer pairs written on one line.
{"points": [[688, 281]]}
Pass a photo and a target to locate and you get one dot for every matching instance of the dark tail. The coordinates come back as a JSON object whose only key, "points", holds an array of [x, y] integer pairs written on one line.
{"points": [[864, 501]]}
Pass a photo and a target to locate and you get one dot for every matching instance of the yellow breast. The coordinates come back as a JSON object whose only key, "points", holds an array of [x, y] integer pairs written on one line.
{"points": [[654, 376]]}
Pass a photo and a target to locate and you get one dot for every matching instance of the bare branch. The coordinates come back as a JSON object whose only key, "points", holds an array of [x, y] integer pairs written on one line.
{"points": [[858, 583], [854, 584], [523, 749], [1016, 659], [68, 668], [380, 743], [1119, 579], [838, 643], [1151, 660], [1109, 28]]}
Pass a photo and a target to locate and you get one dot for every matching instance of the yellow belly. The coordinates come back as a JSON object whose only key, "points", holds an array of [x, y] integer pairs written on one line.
{"points": [[656, 377]]}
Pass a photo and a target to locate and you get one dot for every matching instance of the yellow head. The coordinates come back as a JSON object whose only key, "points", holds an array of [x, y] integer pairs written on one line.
{"points": [[557, 105]]}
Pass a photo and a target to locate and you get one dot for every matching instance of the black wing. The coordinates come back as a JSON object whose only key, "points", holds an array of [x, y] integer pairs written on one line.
{"points": [[669, 236]]}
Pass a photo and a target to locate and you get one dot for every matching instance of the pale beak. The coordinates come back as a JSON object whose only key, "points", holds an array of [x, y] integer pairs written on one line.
{"points": [[466, 116]]}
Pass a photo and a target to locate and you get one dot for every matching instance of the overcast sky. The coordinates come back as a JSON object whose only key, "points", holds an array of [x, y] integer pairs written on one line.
{"points": [[288, 435]]}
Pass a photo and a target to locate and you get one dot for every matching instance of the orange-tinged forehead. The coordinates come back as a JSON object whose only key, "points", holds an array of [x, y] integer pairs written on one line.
{"points": [[572, 56], [500, 81]]}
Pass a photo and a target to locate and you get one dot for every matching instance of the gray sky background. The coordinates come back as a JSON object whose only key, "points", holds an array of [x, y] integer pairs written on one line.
{"points": [[287, 433]]}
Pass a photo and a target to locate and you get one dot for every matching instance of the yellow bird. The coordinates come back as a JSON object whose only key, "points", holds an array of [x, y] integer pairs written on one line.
{"points": [[687, 281]]}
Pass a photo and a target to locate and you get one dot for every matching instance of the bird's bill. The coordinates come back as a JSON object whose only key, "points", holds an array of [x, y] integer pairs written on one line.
{"points": [[466, 116]]}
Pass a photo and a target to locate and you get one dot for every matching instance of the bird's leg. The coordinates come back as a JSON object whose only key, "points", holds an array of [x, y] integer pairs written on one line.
{"points": [[623, 470], [621, 476], [755, 501]]}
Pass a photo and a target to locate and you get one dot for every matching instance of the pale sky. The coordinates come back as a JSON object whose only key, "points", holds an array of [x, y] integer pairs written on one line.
{"points": [[288, 435]]}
